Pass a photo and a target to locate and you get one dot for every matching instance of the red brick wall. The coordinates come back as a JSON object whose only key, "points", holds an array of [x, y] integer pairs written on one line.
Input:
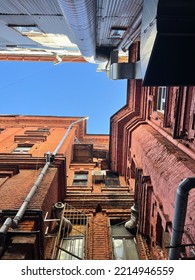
{"points": [[15, 189], [164, 162], [7, 144], [167, 166], [185, 111], [123, 122]]}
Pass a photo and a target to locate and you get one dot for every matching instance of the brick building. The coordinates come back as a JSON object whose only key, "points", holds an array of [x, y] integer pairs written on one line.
{"points": [[151, 143], [51, 169], [152, 146], [52, 172]]}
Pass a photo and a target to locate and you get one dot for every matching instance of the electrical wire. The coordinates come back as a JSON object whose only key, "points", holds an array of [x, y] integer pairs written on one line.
{"points": [[34, 74], [22, 79]]}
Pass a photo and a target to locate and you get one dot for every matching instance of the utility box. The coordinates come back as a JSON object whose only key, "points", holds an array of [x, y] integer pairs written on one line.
{"points": [[98, 176]]}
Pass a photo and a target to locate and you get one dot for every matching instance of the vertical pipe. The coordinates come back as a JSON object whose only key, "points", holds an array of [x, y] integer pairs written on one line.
{"points": [[28, 198], [179, 216]]}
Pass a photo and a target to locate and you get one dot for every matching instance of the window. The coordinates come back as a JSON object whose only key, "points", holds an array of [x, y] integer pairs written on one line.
{"points": [[22, 148], [32, 136], [80, 178], [72, 245], [184, 114], [193, 122], [112, 179], [38, 132], [73, 248], [161, 99], [83, 153], [43, 129], [125, 249], [27, 30], [117, 32]]}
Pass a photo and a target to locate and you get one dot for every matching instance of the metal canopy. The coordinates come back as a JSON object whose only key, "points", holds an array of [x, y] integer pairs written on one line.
{"points": [[89, 30]]}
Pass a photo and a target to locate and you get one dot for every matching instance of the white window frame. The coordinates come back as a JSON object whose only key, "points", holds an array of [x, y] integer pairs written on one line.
{"points": [[74, 245], [20, 149], [121, 247], [161, 99]]}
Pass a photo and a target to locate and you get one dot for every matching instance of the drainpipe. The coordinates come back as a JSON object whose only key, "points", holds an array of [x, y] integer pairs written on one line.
{"points": [[132, 223], [9, 222], [66, 134], [179, 216]]}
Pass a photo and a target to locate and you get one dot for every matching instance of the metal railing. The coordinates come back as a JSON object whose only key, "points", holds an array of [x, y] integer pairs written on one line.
{"points": [[70, 242]]}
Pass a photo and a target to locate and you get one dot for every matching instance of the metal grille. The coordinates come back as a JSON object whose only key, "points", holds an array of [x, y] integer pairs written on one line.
{"points": [[73, 244]]}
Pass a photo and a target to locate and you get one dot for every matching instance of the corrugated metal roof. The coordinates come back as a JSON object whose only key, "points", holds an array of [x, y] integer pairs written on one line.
{"points": [[3, 41], [7, 7], [47, 23], [87, 23], [42, 6], [47, 15], [13, 37], [17, 19], [55, 25], [29, 6], [115, 13]]}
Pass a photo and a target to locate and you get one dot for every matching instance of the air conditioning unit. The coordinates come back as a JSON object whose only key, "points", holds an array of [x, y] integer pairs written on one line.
{"points": [[98, 176]]}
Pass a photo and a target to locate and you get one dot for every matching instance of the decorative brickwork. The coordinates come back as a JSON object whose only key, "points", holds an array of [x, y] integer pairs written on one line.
{"points": [[99, 238]]}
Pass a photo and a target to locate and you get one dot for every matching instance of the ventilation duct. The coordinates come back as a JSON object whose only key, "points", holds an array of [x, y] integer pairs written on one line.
{"points": [[81, 17], [168, 43], [59, 211], [132, 223], [125, 71]]}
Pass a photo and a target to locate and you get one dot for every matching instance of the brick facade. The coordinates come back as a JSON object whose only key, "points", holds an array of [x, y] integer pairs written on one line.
{"points": [[43, 134], [19, 172], [160, 145]]}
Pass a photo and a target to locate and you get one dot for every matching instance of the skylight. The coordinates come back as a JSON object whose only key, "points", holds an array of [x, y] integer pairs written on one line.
{"points": [[27, 30], [117, 32]]}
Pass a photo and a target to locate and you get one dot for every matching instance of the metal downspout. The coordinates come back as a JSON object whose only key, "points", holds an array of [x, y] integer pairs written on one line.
{"points": [[9, 222], [66, 134], [179, 216], [28, 198]]}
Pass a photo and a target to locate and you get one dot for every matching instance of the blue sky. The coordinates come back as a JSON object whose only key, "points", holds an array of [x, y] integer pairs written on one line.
{"points": [[66, 89]]}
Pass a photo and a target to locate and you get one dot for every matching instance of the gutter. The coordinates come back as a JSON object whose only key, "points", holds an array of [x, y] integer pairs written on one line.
{"points": [[179, 216], [134, 32], [13, 223]]}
